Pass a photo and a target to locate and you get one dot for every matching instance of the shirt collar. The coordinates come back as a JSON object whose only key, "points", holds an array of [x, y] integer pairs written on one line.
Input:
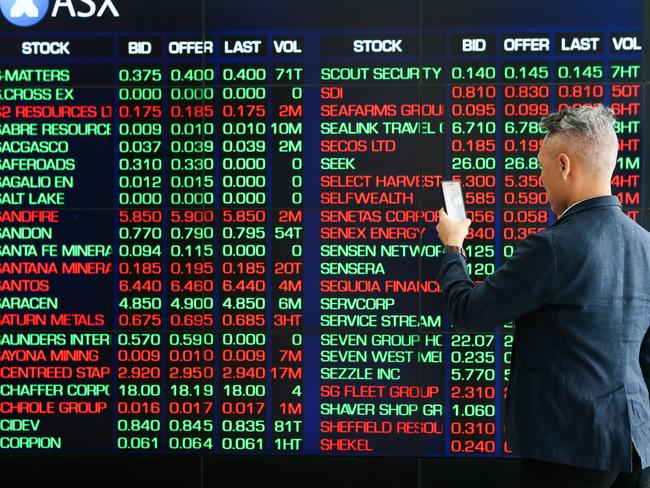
{"points": [[576, 203]]}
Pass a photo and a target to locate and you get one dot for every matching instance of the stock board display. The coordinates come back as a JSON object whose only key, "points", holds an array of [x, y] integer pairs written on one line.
{"points": [[217, 220]]}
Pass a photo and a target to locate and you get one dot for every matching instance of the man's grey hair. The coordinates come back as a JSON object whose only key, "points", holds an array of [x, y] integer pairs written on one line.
{"points": [[590, 131], [584, 121]]}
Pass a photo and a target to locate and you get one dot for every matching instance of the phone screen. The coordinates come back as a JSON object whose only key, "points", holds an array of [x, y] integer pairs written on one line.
{"points": [[453, 196]]}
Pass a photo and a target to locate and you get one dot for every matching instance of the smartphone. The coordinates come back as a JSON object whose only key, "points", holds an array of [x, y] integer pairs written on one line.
{"points": [[453, 197]]}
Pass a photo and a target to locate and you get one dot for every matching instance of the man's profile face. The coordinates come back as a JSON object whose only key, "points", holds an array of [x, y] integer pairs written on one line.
{"points": [[550, 172]]}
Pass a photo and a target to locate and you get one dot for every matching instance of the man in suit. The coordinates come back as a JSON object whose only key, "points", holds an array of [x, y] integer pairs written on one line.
{"points": [[577, 409]]}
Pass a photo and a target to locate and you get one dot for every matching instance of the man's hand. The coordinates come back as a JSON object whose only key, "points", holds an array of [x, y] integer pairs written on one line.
{"points": [[451, 232]]}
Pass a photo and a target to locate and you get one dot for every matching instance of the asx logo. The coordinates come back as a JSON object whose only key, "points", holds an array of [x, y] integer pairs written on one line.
{"points": [[25, 13]]}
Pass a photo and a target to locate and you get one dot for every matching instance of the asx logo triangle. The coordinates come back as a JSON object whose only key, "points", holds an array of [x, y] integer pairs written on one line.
{"points": [[24, 7], [24, 13]]}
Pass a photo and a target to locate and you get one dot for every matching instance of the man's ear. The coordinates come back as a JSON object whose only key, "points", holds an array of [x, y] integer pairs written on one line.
{"points": [[565, 164]]}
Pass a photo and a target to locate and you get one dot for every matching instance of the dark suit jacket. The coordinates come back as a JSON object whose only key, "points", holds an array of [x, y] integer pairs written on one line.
{"points": [[579, 293]]}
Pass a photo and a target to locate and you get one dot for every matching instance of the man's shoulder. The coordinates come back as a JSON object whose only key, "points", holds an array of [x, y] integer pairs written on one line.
{"points": [[584, 221], [592, 228]]}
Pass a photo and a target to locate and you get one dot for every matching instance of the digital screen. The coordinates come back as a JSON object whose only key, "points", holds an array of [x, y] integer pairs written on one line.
{"points": [[217, 219]]}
